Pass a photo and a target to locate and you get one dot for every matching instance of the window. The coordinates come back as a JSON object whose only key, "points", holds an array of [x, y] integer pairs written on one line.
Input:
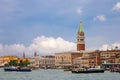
{"points": [[81, 39]]}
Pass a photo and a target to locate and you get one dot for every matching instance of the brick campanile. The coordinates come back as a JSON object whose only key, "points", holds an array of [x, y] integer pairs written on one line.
{"points": [[80, 38]]}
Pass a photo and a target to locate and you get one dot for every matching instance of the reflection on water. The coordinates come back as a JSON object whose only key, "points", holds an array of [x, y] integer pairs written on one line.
{"points": [[56, 75]]}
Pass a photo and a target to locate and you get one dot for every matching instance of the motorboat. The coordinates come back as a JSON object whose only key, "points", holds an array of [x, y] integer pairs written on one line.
{"points": [[88, 70], [18, 69]]}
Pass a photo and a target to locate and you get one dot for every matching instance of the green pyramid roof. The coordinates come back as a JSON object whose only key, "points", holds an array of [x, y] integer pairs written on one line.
{"points": [[80, 27]]}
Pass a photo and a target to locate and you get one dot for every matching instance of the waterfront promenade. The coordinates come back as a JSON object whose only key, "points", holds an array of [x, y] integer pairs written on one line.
{"points": [[56, 75]]}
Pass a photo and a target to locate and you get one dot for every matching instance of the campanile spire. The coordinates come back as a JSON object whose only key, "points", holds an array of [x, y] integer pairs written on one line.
{"points": [[80, 27], [80, 38]]}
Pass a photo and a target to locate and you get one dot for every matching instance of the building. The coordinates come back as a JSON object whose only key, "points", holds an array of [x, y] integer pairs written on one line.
{"points": [[89, 58], [43, 61], [110, 56], [82, 61], [24, 58], [36, 59], [77, 62], [94, 58], [47, 61], [34, 62], [80, 38], [65, 59], [23, 55], [6, 59]]}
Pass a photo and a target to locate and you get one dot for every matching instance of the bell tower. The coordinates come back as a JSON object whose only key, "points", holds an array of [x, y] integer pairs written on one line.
{"points": [[80, 38], [23, 55]]}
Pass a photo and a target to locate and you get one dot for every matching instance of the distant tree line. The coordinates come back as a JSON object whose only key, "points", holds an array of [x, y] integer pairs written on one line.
{"points": [[16, 63]]}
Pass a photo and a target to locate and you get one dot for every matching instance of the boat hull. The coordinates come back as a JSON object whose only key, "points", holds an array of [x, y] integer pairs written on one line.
{"points": [[18, 70], [94, 71]]}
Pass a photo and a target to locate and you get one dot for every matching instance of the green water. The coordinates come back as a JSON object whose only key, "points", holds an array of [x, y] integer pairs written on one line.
{"points": [[56, 75]]}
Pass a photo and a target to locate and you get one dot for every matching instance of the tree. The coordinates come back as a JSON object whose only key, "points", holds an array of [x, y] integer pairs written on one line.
{"points": [[24, 63], [21, 63], [13, 63]]}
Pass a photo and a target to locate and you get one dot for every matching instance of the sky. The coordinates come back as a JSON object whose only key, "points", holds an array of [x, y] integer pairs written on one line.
{"points": [[50, 26]]}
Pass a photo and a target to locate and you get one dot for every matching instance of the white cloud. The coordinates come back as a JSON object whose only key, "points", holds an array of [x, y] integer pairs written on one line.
{"points": [[116, 6], [15, 48], [1, 48], [42, 45], [51, 45], [12, 49], [110, 47], [79, 10], [100, 18]]}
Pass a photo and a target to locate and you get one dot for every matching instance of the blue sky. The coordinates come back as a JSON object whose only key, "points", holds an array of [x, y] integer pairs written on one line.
{"points": [[22, 21]]}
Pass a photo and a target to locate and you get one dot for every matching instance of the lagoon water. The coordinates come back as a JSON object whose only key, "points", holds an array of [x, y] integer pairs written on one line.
{"points": [[56, 75]]}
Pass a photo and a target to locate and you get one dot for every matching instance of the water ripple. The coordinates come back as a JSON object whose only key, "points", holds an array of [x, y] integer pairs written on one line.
{"points": [[56, 75]]}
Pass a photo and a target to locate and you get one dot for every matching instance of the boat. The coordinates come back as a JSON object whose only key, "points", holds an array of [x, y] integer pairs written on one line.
{"points": [[90, 70], [67, 69], [17, 69], [94, 69], [115, 69], [35, 68]]}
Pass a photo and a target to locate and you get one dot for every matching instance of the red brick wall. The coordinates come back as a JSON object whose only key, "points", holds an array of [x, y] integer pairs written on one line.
{"points": [[80, 47]]}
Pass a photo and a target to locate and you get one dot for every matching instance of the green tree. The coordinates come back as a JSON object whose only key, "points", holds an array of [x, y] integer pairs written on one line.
{"points": [[21, 63], [24, 63], [13, 63]]}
